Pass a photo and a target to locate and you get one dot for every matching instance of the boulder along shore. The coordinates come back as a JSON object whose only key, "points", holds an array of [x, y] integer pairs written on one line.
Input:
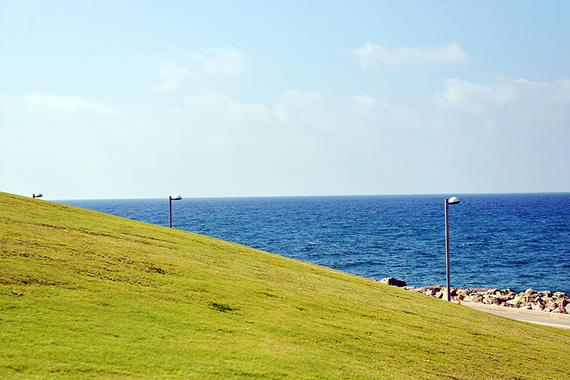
{"points": [[546, 301]]}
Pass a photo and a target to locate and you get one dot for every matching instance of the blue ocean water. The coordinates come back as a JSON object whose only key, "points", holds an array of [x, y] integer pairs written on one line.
{"points": [[515, 241]]}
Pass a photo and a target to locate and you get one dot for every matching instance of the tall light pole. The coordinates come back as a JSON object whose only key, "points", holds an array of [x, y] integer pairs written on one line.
{"points": [[170, 199], [450, 201], [38, 195]]}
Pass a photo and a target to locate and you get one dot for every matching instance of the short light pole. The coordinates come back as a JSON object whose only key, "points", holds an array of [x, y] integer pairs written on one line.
{"points": [[38, 195], [450, 201], [170, 199]]}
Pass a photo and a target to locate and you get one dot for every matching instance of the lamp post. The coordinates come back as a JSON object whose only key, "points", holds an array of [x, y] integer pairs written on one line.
{"points": [[38, 195], [450, 201], [170, 199]]}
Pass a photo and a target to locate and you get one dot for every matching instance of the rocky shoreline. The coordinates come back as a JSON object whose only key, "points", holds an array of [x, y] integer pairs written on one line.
{"points": [[546, 301]]}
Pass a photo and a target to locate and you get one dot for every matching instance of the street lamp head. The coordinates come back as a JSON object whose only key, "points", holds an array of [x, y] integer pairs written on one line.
{"points": [[453, 201], [176, 198]]}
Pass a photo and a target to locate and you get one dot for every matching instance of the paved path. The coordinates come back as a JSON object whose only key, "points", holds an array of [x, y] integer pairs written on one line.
{"points": [[542, 318]]}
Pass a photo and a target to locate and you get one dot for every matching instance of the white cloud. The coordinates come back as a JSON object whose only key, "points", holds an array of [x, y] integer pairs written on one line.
{"points": [[562, 95], [199, 65], [367, 103], [371, 55], [294, 112], [220, 61], [65, 107], [220, 111], [304, 112], [373, 117], [299, 120], [172, 77], [522, 98], [464, 95]]}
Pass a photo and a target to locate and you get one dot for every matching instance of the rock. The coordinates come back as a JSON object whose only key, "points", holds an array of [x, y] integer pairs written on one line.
{"points": [[432, 291], [478, 298], [512, 303], [520, 298], [500, 301], [393, 282], [529, 291], [545, 293], [550, 306]]}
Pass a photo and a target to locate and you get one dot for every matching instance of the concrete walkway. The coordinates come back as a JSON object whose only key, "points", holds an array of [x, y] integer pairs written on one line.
{"points": [[561, 321]]}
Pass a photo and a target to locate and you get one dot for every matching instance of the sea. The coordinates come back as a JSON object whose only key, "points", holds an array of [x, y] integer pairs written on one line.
{"points": [[505, 241]]}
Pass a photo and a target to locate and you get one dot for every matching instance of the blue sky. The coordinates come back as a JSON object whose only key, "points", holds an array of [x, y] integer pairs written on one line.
{"points": [[145, 99]]}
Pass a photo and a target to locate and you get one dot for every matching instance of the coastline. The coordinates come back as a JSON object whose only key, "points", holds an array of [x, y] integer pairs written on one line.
{"points": [[529, 300], [544, 308], [561, 321]]}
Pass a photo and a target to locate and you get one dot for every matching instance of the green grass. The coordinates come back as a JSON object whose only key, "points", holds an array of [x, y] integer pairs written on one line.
{"points": [[84, 295]]}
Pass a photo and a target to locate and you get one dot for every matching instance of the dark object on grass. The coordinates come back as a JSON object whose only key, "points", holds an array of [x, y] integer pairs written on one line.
{"points": [[393, 281]]}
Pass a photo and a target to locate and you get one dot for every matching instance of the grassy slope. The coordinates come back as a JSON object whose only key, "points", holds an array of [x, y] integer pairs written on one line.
{"points": [[88, 295]]}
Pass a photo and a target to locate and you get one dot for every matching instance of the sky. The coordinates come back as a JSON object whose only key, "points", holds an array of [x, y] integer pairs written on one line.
{"points": [[146, 99]]}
